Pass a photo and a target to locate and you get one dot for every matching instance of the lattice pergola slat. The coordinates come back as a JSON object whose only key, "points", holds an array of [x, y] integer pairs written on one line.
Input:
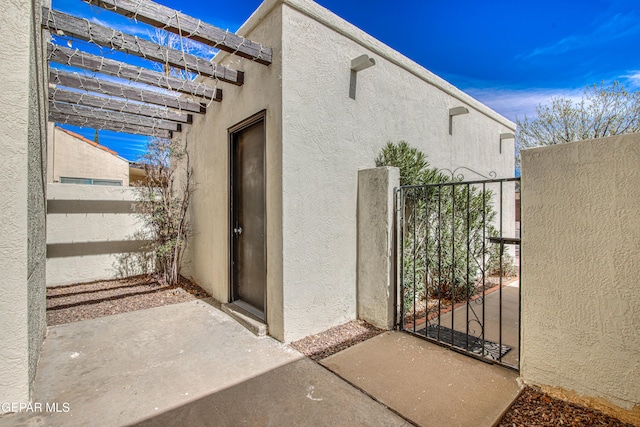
{"points": [[101, 103], [114, 116], [107, 125], [176, 22], [87, 61], [113, 104], [92, 84], [59, 22]]}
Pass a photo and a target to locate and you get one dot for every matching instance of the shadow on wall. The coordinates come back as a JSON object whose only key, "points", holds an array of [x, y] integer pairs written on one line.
{"points": [[94, 233], [137, 262]]}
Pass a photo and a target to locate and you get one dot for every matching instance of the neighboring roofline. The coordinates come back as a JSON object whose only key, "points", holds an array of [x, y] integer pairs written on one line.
{"points": [[341, 26], [88, 141], [137, 165]]}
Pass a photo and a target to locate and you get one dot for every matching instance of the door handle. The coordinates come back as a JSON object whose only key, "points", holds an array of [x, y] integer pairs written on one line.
{"points": [[237, 231]]}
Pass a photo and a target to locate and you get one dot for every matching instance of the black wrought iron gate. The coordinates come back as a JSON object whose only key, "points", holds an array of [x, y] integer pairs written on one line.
{"points": [[459, 267]]}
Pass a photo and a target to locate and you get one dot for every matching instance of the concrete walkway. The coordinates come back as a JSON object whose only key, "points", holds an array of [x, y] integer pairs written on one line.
{"points": [[190, 364], [186, 364], [426, 383]]}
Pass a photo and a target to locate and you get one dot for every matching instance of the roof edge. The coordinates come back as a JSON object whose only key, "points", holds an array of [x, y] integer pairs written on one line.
{"points": [[329, 19], [88, 141]]}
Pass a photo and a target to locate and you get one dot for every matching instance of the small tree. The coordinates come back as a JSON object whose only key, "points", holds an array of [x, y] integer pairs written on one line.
{"points": [[164, 200], [603, 111]]}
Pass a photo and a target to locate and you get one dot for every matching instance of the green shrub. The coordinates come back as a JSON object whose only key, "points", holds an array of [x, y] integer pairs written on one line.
{"points": [[445, 230]]}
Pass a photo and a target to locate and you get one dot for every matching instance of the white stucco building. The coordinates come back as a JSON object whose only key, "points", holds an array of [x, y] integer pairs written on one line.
{"points": [[294, 137], [285, 205], [73, 159]]}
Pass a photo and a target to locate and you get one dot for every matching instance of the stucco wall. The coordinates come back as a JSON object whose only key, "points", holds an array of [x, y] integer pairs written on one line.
{"points": [[580, 275], [90, 231], [207, 256], [22, 214], [75, 157], [328, 137]]}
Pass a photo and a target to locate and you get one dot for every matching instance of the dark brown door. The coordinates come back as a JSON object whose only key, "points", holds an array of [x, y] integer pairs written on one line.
{"points": [[248, 216]]}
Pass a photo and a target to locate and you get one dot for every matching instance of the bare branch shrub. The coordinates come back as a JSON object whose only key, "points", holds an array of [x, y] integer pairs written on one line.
{"points": [[164, 201]]}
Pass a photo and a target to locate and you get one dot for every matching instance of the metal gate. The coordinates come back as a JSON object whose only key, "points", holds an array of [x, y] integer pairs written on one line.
{"points": [[459, 267]]}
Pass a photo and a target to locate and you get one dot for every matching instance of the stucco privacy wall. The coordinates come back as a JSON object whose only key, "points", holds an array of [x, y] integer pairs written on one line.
{"points": [[91, 230], [22, 205], [580, 275], [328, 137], [74, 157], [207, 256]]}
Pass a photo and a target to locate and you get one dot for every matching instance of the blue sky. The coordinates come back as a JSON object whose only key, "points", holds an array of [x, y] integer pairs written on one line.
{"points": [[509, 54]]}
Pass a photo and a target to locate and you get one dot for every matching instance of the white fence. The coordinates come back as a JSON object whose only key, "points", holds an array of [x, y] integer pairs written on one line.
{"points": [[92, 234]]}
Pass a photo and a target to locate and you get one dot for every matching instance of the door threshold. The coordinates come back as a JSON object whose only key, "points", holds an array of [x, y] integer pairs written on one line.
{"points": [[245, 318], [250, 310]]}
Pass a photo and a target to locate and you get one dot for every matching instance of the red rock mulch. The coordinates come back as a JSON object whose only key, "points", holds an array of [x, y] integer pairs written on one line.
{"points": [[84, 301], [534, 408]]}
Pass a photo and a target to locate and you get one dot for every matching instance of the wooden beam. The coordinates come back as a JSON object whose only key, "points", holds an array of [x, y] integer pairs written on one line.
{"points": [[114, 104], [176, 22], [64, 24], [92, 84], [106, 125], [77, 58], [112, 116]]}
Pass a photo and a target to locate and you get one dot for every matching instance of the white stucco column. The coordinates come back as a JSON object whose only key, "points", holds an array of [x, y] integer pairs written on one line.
{"points": [[375, 281]]}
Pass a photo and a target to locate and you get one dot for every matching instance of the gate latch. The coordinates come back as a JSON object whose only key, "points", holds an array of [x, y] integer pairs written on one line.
{"points": [[505, 240]]}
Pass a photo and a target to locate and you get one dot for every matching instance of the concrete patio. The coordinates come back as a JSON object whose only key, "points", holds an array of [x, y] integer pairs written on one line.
{"points": [[191, 364], [426, 383]]}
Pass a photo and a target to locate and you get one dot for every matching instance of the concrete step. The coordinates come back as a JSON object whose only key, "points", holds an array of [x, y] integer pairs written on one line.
{"points": [[246, 319]]}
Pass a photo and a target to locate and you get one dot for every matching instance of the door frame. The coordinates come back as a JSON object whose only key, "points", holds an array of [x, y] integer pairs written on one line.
{"points": [[260, 116]]}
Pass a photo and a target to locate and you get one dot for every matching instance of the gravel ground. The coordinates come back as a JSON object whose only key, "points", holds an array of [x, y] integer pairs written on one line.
{"points": [[336, 339], [96, 299], [533, 408]]}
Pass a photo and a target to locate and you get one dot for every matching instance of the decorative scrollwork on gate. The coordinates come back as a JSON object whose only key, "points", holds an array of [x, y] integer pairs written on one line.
{"points": [[459, 176], [449, 260]]}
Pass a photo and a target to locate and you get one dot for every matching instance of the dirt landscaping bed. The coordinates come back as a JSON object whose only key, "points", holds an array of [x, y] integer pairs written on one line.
{"points": [[338, 338], [534, 408], [84, 301]]}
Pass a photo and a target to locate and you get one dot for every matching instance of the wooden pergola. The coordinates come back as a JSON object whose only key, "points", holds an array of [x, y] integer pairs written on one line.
{"points": [[151, 103]]}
